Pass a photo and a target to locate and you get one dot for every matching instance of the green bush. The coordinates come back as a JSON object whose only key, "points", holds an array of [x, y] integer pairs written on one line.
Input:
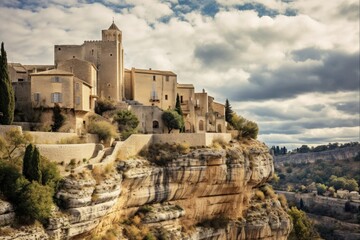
{"points": [[303, 227], [246, 128], [103, 105], [50, 173], [103, 129], [58, 118], [35, 202], [172, 120]]}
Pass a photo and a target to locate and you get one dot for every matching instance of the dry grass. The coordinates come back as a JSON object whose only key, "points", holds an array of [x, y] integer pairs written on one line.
{"points": [[260, 195], [219, 143], [100, 172], [283, 201]]}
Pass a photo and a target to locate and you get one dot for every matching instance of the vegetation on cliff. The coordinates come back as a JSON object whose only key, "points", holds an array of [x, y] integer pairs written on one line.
{"points": [[28, 181], [303, 228], [246, 128]]}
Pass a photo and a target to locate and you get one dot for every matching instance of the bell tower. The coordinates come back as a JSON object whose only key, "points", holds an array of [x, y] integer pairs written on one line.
{"points": [[112, 34]]}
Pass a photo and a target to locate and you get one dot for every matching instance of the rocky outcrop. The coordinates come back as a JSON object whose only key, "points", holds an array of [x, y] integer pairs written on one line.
{"points": [[330, 155], [173, 199]]}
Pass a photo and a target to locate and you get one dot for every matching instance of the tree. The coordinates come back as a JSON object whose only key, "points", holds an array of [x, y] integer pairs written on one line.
{"points": [[26, 169], [228, 111], [103, 129], [172, 120], [127, 123], [102, 105], [303, 228], [58, 118], [321, 188], [7, 97], [12, 145], [178, 105], [246, 128], [31, 164]]}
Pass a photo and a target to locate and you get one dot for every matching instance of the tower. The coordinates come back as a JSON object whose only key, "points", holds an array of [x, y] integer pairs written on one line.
{"points": [[107, 55]]}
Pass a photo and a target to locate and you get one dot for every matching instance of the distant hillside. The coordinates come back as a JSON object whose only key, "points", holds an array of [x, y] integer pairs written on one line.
{"points": [[345, 153], [301, 169]]}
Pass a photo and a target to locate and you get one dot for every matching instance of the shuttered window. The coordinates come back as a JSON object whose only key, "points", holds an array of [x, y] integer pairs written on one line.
{"points": [[56, 97]]}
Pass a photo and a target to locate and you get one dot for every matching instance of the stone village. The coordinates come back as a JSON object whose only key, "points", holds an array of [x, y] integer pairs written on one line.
{"points": [[82, 74]]}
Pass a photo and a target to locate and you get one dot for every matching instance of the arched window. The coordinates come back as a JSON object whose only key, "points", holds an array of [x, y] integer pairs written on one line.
{"points": [[201, 125], [155, 124], [187, 127], [219, 128]]}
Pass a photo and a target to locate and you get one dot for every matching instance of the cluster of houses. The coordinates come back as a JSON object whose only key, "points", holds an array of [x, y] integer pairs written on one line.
{"points": [[83, 74]]}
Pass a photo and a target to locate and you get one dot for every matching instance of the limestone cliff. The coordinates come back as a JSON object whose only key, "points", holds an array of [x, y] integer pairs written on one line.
{"points": [[329, 155], [206, 193]]}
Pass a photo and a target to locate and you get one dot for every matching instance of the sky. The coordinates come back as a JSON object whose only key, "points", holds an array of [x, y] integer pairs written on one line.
{"points": [[292, 66]]}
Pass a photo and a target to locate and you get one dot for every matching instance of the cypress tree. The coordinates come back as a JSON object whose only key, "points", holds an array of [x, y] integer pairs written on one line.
{"points": [[7, 98], [228, 111], [58, 118], [178, 105], [35, 166], [26, 170]]}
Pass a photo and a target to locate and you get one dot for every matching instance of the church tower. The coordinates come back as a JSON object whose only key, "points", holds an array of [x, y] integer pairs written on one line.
{"points": [[107, 55]]}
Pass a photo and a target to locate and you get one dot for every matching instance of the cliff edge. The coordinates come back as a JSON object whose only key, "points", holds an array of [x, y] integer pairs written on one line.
{"points": [[199, 193]]}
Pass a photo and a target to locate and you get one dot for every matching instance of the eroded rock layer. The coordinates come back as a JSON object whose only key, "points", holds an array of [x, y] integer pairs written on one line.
{"points": [[174, 199]]}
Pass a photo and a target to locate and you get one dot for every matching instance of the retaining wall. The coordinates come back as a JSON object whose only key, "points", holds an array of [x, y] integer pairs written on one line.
{"points": [[193, 139], [65, 152]]}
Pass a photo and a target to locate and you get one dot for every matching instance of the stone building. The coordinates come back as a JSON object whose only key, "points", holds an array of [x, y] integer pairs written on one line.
{"points": [[107, 55], [95, 69]]}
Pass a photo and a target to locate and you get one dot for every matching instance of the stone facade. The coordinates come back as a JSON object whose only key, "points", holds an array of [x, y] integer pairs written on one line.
{"points": [[108, 57]]}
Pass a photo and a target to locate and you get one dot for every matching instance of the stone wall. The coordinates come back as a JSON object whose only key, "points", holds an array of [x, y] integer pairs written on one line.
{"points": [[133, 145], [6, 128], [193, 139], [49, 137], [65, 152]]}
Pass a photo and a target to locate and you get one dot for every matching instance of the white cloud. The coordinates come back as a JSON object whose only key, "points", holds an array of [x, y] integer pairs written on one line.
{"points": [[219, 53]]}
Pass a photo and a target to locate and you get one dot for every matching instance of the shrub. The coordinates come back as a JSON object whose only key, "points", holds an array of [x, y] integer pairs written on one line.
{"points": [[35, 202], [321, 188], [50, 173], [303, 228], [103, 105], [283, 200], [127, 123], [246, 128], [161, 154], [260, 195], [268, 191], [103, 129]]}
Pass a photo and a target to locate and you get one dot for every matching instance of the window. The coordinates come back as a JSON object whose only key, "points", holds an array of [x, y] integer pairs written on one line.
{"points": [[56, 79], [110, 54], [77, 100], [166, 97], [77, 86], [155, 124], [37, 97], [201, 125], [92, 51], [73, 56], [59, 49], [181, 99], [167, 78], [20, 80], [154, 78], [56, 97]]}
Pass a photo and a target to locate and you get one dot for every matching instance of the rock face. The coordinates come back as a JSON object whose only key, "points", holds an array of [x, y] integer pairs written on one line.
{"points": [[202, 185], [330, 155]]}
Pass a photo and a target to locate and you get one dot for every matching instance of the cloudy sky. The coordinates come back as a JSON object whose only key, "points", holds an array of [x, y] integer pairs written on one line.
{"points": [[290, 65]]}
